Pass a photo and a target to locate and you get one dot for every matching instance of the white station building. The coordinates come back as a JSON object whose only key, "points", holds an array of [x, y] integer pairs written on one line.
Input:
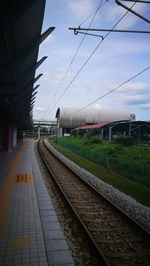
{"points": [[70, 118]]}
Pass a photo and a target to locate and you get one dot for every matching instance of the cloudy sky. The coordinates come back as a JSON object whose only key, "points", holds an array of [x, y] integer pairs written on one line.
{"points": [[119, 57]]}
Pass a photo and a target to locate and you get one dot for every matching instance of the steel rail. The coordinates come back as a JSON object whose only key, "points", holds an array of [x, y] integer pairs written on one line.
{"points": [[101, 256], [130, 220]]}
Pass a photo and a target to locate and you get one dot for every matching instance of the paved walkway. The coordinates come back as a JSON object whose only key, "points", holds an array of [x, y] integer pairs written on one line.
{"points": [[29, 229]]}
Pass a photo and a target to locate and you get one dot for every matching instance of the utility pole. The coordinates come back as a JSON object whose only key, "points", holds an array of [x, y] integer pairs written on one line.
{"points": [[38, 132]]}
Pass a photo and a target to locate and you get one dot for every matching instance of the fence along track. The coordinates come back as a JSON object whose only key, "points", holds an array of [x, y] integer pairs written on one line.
{"points": [[117, 239]]}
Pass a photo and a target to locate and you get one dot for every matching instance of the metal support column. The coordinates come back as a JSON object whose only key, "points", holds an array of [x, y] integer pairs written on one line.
{"points": [[38, 132], [110, 131]]}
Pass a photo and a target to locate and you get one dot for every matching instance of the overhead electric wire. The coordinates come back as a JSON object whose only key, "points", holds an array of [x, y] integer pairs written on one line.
{"points": [[114, 89], [101, 5], [89, 57], [95, 13]]}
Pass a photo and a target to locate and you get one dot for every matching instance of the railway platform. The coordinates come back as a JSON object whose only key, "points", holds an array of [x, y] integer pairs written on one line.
{"points": [[30, 233]]}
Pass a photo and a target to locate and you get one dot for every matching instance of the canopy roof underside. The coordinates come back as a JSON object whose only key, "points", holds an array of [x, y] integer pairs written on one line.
{"points": [[20, 37]]}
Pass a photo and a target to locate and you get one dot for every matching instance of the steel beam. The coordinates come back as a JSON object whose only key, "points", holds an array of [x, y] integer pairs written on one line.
{"points": [[77, 30], [34, 89], [30, 49], [138, 1], [40, 61], [5, 88], [45, 34], [132, 11], [34, 93]]}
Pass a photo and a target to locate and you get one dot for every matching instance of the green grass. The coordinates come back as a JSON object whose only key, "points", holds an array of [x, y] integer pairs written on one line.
{"points": [[96, 158]]}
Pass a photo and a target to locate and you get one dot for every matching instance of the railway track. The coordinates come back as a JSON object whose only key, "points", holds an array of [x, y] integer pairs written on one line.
{"points": [[117, 239]]}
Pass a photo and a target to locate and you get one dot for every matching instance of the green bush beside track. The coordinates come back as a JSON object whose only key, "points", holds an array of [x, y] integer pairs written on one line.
{"points": [[125, 167]]}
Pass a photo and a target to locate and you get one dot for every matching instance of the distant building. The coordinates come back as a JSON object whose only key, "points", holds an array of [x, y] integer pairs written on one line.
{"points": [[139, 130], [70, 118]]}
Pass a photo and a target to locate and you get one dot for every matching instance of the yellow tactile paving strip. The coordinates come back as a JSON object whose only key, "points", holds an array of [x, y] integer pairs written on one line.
{"points": [[24, 178], [20, 242], [32, 234], [5, 191]]}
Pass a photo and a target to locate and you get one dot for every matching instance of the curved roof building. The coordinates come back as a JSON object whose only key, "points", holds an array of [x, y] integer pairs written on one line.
{"points": [[75, 117]]}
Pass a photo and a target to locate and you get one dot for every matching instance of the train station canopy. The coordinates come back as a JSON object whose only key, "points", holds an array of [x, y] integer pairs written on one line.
{"points": [[140, 130], [20, 37]]}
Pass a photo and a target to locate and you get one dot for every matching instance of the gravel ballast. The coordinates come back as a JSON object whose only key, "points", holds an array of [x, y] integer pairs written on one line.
{"points": [[129, 205]]}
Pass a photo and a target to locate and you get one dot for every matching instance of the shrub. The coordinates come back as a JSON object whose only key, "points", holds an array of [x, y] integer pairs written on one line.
{"points": [[92, 140], [125, 140]]}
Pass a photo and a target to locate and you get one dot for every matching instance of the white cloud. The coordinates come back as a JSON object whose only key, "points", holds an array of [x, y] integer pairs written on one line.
{"points": [[131, 95], [145, 106], [81, 8], [134, 88], [39, 109], [119, 57]]}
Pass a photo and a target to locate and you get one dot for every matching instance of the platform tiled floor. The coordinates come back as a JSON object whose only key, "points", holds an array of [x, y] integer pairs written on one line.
{"points": [[32, 234]]}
